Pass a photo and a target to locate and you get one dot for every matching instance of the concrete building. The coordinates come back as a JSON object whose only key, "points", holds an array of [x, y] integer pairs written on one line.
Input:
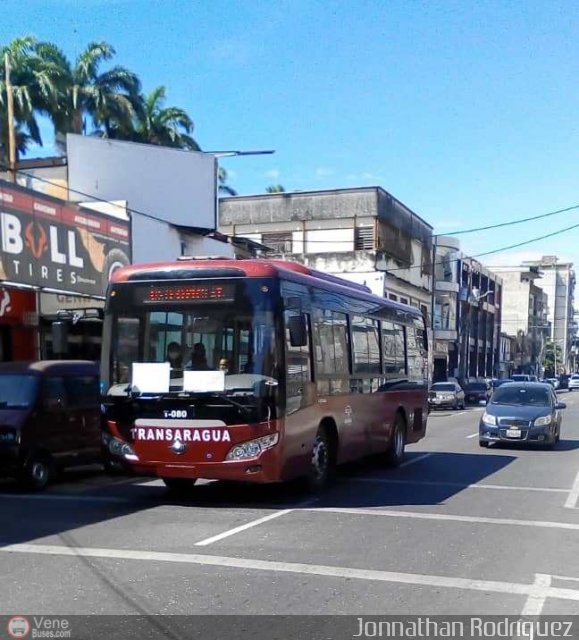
{"points": [[557, 281], [467, 301], [363, 234], [525, 316]]}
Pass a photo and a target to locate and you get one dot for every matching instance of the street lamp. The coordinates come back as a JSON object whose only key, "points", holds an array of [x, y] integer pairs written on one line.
{"points": [[230, 154]]}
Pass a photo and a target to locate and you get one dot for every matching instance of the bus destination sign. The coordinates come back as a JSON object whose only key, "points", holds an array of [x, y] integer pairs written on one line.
{"points": [[187, 293]]}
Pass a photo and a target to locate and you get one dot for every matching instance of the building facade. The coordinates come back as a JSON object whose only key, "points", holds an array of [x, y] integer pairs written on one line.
{"points": [[364, 234], [467, 300], [525, 316], [558, 282]]}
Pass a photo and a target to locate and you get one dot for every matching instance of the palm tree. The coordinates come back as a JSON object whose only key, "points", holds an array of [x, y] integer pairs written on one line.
{"points": [[223, 188], [275, 188], [86, 94], [34, 89], [165, 126]]}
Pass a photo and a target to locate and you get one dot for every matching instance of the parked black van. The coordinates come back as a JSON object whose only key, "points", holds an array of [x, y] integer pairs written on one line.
{"points": [[49, 418]]}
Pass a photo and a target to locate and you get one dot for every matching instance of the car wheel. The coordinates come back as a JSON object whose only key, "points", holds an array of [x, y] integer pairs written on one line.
{"points": [[36, 472], [483, 443], [179, 486], [397, 447], [323, 461]]}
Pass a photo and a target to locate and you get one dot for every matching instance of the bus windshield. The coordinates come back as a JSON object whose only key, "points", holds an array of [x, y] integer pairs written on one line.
{"points": [[197, 338]]}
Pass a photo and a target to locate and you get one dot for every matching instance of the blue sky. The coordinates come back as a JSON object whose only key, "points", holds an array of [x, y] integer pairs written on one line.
{"points": [[468, 112]]}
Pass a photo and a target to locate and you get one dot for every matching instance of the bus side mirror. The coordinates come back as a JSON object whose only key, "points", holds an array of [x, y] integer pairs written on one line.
{"points": [[60, 337], [298, 331]]}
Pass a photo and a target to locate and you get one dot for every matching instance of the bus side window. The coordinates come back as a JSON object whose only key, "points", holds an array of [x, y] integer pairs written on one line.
{"points": [[298, 366], [416, 354]]}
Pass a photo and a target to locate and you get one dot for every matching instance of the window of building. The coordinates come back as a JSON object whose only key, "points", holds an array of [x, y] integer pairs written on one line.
{"points": [[393, 296], [404, 300], [280, 242], [364, 239]]}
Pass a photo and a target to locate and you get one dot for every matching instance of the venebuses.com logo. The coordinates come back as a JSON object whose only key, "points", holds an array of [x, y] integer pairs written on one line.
{"points": [[20, 627]]}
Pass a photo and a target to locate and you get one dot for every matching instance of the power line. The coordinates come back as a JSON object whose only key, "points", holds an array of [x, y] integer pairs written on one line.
{"points": [[418, 266], [507, 224]]}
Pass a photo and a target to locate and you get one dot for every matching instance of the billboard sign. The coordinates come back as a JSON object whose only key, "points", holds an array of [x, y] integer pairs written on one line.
{"points": [[52, 244]]}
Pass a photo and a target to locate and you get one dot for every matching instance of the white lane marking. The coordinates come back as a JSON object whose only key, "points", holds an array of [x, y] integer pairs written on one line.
{"points": [[460, 485], [492, 586], [243, 527], [573, 496], [473, 435], [255, 523], [536, 600], [540, 524], [417, 459]]}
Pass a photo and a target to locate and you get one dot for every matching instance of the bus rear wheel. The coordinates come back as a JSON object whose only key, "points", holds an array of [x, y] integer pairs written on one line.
{"points": [[322, 464], [179, 485], [397, 447]]}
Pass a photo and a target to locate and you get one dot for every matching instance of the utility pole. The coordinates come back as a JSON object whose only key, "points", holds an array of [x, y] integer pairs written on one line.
{"points": [[10, 109]]}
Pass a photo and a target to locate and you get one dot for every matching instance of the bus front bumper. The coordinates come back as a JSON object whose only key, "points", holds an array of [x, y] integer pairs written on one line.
{"points": [[264, 469]]}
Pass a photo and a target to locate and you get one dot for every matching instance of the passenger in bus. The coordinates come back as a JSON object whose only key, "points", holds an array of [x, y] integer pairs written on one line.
{"points": [[199, 358], [224, 365], [175, 355]]}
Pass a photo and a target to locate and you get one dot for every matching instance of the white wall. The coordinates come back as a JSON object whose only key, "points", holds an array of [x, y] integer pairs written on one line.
{"points": [[175, 185], [153, 241]]}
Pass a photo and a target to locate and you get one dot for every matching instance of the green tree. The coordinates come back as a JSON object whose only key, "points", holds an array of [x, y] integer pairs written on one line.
{"points": [[86, 95], [224, 188], [275, 188], [550, 351], [165, 126], [34, 81]]}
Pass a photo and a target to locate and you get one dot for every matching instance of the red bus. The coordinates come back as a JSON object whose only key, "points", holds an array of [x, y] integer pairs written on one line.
{"points": [[256, 370]]}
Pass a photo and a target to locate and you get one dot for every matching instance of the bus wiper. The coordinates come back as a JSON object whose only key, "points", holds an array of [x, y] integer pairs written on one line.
{"points": [[205, 394]]}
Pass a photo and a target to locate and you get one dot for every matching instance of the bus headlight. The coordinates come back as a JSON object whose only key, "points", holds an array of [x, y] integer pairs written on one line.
{"points": [[252, 448], [122, 449]]}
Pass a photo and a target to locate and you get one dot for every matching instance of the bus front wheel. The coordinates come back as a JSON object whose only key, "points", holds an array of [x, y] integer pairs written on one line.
{"points": [[397, 446], [323, 460]]}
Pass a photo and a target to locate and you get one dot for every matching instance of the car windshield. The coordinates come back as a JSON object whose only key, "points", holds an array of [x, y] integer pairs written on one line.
{"points": [[519, 395], [476, 386], [17, 391], [443, 386], [520, 378]]}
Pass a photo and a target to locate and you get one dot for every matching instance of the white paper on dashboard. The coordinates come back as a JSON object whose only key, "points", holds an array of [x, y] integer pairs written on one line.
{"points": [[203, 381], [151, 377]]}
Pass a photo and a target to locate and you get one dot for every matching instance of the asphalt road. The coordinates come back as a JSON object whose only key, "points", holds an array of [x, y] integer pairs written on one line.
{"points": [[456, 530]]}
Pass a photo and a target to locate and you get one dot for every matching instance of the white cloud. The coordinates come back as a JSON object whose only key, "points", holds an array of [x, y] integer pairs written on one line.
{"points": [[371, 176], [273, 174], [324, 172], [235, 52]]}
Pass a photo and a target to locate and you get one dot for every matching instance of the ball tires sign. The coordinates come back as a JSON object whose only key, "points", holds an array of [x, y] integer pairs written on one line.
{"points": [[53, 244]]}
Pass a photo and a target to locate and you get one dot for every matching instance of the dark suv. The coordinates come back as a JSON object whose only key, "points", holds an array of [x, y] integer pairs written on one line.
{"points": [[49, 418]]}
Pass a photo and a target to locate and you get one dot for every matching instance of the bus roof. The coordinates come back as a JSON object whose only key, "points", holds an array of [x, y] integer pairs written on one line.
{"points": [[186, 268]]}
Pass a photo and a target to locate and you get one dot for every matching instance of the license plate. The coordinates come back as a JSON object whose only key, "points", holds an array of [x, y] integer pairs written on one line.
{"points": [[513, 433]]}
